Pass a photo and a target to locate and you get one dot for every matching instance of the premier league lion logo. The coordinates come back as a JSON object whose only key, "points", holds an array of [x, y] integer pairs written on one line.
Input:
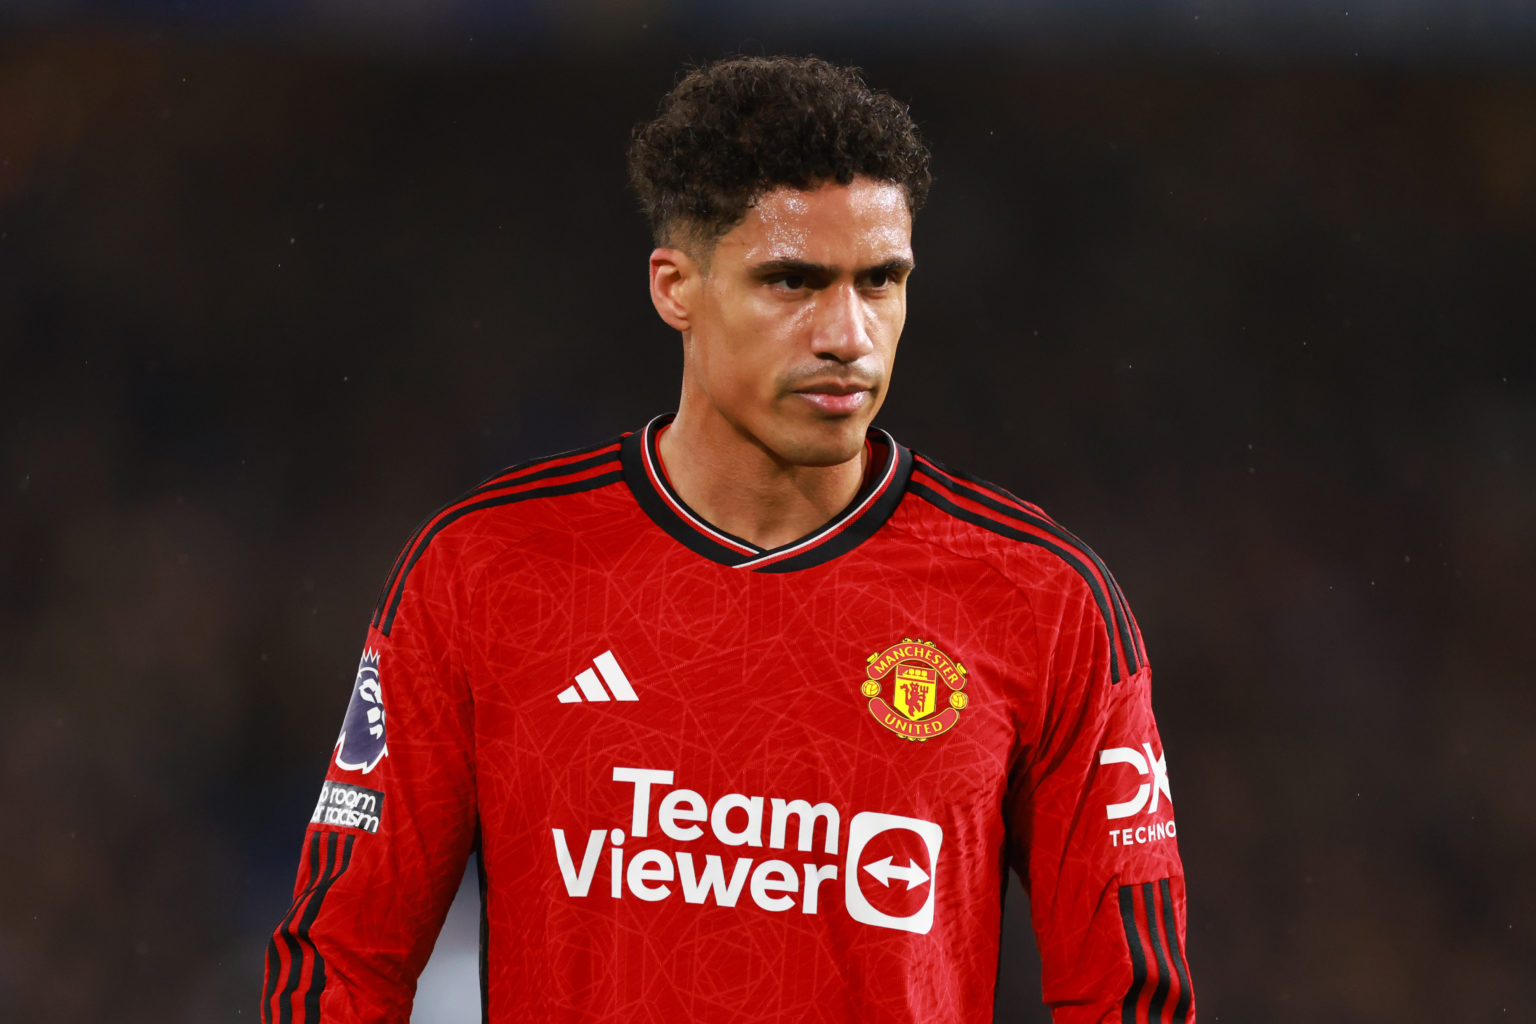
{"points": [[360, 747]]}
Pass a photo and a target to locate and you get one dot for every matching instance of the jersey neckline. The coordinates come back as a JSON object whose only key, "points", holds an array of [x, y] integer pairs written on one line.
{"points": [[877, 498]]}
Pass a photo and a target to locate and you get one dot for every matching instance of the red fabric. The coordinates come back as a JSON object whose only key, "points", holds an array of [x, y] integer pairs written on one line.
{"points": [[748, 691]]}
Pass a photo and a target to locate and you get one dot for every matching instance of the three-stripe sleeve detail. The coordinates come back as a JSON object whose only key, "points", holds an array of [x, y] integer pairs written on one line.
{"points": [[992, 508], [292, 954], [584, 470], [275, 954], [1181, 1009], [1158, 966]]}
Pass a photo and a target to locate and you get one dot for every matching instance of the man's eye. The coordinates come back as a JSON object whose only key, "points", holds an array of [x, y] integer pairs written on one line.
{"points": [[794, 282], [879, 278]]}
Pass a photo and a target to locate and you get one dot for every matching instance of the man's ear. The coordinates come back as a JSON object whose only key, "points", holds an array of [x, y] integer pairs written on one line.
{"points": [[675, 280]]}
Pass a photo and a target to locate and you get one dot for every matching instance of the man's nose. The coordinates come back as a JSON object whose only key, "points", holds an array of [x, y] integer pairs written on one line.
{"points": [[842, 327]]}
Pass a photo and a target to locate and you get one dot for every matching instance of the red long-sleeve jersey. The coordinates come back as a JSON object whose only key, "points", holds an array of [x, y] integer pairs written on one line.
{"points": [[712, 782]]}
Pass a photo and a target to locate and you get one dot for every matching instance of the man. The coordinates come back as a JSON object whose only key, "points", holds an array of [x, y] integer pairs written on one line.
{"points": [[746, 713]]}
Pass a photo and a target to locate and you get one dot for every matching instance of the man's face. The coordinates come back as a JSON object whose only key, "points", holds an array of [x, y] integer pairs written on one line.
{"points": [[793, 328]]}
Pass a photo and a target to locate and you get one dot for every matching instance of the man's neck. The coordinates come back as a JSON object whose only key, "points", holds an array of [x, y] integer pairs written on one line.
{"points": [[741, 488]]}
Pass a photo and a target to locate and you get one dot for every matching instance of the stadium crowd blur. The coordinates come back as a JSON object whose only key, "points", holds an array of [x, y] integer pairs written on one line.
{"points": [[1256, 324]]}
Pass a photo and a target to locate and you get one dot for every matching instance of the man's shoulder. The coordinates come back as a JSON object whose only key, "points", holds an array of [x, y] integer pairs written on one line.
{"points": [[975, 519], [527, 497], [556, 492], [967, 512]]}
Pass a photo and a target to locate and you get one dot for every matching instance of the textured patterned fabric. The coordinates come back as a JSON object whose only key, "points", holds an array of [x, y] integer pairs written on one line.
{"points": [[709, 782]]}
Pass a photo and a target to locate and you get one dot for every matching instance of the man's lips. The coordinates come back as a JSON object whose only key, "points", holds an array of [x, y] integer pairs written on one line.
{"points": [[835, 397]]}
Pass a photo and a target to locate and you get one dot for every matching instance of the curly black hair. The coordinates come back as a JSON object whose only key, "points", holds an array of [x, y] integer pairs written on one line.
{"points": [[731, 131]]}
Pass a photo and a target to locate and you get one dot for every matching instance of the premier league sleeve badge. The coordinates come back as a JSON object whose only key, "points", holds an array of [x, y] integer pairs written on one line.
{"points": [[360, 747]]}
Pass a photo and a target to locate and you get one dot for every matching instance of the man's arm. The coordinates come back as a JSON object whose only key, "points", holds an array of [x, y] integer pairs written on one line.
{"points": [[1094, 836], [393, 827]]}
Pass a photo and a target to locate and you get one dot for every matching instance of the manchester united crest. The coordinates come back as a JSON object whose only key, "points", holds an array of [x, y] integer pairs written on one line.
{"points": [[915, 690]]}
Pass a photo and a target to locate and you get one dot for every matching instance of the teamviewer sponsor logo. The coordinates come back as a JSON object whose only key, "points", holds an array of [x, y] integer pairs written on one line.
{"points": [[889, 863]]}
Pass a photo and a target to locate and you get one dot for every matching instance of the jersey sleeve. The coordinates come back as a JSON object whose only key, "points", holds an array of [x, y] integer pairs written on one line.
{"points": [[394, 824], [1093, 830]]}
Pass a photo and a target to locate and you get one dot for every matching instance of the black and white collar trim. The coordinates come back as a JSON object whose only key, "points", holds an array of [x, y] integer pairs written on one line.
{"points": [[871, 507]]}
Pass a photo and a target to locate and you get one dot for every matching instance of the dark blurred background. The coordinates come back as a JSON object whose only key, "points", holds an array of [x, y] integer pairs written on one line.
{"points": [[1241, 293]]}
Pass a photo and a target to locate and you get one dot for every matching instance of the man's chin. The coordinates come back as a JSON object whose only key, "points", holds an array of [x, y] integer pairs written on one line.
{"points": [[831, 444]]}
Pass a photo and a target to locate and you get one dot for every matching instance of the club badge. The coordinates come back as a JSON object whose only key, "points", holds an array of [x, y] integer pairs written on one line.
{"points": [[918, 708]]}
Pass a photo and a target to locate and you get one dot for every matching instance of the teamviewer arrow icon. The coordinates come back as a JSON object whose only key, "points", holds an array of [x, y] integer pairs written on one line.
{"points": [[865, 827], [885, 871]]}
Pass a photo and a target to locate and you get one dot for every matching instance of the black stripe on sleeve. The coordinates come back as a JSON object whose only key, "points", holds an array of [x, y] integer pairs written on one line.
{"points": [[554, 491], [1176, 954], [501, 480], [274, 968], [1138, 954], [1149, 902], [317, 976], [319, 873], [394, 570], [274, 955], [1106, 610]]}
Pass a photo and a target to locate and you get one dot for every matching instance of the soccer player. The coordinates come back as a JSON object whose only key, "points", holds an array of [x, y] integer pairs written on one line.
{"points": [[747, 713]]}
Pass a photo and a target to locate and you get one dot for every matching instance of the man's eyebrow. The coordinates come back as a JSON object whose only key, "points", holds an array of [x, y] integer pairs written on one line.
{"points": [[793, 267], [899, 264]]}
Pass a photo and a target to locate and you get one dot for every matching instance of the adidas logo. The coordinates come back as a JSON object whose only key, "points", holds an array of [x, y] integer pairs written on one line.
{"points": [[592, 689]]}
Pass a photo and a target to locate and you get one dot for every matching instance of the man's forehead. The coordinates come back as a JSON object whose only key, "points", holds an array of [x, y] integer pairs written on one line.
{"points": [[831, 224]]}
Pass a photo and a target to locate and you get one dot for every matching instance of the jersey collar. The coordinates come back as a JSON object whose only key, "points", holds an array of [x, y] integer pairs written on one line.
{"points": [[890, 465]]}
